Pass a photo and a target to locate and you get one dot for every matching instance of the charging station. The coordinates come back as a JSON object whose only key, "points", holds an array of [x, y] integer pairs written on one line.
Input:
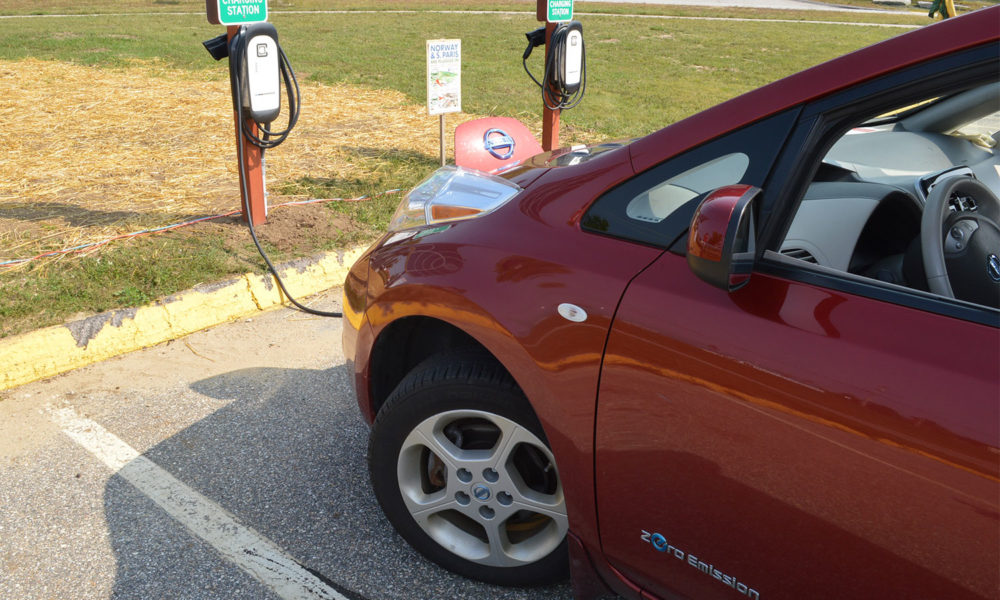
{"points": [[257, 68], [564, 78]]}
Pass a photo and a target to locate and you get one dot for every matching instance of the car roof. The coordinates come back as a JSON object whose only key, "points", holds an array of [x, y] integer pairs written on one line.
{"points": [[950, 35]]}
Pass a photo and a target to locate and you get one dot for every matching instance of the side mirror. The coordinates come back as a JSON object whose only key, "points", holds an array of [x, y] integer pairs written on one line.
{"points": [[721, 242]]}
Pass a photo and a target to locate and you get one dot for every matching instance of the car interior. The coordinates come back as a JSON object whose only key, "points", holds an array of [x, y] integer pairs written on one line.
{"points": [[863, 213]]}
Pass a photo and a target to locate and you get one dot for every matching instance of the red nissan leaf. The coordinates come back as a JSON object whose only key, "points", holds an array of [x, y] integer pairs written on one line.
{"points": [[753, 354]]}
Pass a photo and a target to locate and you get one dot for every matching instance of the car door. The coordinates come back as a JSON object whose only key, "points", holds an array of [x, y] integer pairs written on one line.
{"points": [[810, 435], [791, 441]]}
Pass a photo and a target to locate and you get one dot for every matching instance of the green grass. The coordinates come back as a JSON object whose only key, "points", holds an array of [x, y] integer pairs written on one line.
{"points": [[385, 171], [139, 271], [643, 74], [276, 7], [128, 274], [960, 5], [57, 7]]}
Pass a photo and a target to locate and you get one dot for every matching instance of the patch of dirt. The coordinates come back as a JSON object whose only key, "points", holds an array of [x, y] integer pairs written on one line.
{"points": [[288, 228]]}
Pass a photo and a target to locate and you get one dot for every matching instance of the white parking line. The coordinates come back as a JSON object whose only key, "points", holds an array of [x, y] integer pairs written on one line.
{"points": [[258, 556]]}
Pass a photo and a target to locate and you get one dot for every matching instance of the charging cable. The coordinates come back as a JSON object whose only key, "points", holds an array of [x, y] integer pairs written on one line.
{"points": [[268, 139]]}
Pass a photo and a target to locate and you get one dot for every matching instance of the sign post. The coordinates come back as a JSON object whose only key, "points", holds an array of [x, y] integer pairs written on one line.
{"points": [[444, 81], [551, 12], [234, 13]]}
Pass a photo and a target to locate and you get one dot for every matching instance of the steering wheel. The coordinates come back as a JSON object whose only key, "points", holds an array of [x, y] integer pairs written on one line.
{"points": [[965, 244]]}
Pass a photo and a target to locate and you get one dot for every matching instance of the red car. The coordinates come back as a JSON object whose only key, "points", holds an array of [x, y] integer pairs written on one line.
{"points": [[754, 354]]}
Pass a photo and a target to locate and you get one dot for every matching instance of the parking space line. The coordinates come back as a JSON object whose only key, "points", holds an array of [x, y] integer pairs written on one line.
{"points": [[261, 558]]}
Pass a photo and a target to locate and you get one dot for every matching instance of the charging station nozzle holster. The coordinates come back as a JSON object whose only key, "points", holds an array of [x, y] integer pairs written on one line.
{"points": [[535, 38], [217, 47]]}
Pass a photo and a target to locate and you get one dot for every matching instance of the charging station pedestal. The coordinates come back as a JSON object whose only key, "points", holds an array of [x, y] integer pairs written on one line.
{"points": [[252, 192], [550, 118], [234, 14], [253, 164], [551, 12]]}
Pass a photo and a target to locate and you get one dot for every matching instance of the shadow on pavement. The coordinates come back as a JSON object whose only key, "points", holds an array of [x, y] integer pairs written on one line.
{"points": [[286, 457]]}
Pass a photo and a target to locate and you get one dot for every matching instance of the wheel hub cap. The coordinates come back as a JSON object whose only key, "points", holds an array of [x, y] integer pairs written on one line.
{"points": [[481, 493], [492, 502]]}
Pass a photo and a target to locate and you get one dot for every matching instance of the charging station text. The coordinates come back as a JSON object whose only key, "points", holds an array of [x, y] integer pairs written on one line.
{"points": [[242, 8]]}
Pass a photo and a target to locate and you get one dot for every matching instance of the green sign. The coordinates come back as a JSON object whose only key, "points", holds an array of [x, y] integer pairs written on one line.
{"points": [[236, 12], [560, 10]]}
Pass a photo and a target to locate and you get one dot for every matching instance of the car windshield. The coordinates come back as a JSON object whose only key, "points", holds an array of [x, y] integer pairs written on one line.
{"points": [[988, 125], [900, 113]]}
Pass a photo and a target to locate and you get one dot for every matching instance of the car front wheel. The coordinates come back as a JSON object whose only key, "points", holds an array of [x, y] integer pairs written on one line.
{"points": [[460, 466]]}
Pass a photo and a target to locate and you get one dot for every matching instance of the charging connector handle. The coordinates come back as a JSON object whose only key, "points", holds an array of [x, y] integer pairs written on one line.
{"points": [[535, 38], [217, 47]]}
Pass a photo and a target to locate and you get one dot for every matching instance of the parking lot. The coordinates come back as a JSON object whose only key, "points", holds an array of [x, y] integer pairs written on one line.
{"points": [[228, 464]]}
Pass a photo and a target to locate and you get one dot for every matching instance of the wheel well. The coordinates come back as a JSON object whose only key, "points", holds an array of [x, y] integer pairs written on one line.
{"points": [[405, 344]]}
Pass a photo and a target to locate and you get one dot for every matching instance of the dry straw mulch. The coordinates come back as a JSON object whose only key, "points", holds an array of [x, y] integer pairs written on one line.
{"points": [[90, 152]]}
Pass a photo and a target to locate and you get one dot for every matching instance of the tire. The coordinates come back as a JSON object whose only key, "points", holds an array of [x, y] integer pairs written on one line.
{"points": [[460, 465]]}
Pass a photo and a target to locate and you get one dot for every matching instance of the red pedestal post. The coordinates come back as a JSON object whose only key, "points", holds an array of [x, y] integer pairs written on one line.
{"points": [[252, 165], [550, 118]]}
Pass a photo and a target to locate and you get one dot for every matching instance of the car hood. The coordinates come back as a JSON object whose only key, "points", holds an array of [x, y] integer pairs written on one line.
{"points": [[527, 171]]}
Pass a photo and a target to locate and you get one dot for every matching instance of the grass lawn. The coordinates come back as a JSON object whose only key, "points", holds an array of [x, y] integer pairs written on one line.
{"points": [[643, 74]]}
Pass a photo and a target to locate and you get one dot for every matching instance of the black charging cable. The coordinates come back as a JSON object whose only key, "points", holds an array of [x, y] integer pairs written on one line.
{"points": [[264, 142], [560, 99]]}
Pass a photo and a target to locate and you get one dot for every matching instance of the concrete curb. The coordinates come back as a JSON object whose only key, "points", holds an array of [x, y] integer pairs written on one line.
{"points": [[60, 348]]}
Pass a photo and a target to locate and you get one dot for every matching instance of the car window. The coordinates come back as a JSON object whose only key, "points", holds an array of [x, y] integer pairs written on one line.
{"points": [[658, 202], [656, 206], [861, 214]]}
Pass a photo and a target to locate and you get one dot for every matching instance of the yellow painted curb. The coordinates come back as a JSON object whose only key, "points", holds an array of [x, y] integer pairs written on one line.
{"points": [[60, 348]]}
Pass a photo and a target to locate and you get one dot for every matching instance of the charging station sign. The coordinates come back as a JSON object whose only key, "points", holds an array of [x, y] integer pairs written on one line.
{"points": [[559, 10], [236, 12], [444, 76]]}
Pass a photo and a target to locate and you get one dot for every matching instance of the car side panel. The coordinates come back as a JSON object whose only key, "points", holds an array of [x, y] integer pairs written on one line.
{"points": [[356, 331], [555, 362], [509, 303], [794, 442]]}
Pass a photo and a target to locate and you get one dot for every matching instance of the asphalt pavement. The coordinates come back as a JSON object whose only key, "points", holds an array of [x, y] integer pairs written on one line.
{"points": [[227, 464]]}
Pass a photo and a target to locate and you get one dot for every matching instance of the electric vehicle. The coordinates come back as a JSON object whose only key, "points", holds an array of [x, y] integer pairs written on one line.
{"points": [[754, 354]]}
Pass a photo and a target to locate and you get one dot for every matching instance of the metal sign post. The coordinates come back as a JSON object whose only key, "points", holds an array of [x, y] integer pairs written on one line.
{"points": [[444, 81], [234, 13]]}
